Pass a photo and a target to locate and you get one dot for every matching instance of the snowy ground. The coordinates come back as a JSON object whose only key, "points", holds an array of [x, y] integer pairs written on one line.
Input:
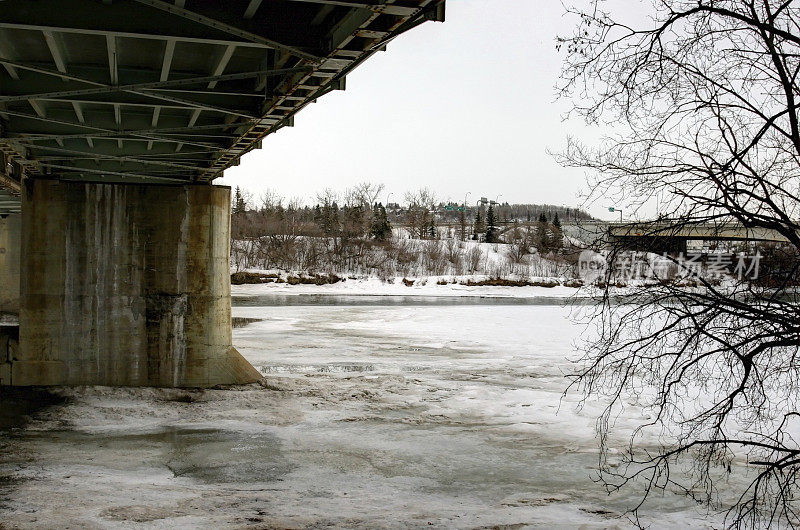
{"points": [[377, 412]]}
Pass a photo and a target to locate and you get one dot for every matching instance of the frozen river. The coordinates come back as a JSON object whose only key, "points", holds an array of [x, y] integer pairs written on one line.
{"points": [[376, 412]]}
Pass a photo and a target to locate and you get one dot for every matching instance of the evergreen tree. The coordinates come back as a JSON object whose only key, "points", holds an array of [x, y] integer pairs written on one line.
{"points": [[325, 218], [318, 219], [558, 235], [353, 217], [329, 218], [238, 201], [491, 226], [374, 228], [386, 227], [432, 227], [478, 227], [380, 228], [462, 221], [542, 233]]}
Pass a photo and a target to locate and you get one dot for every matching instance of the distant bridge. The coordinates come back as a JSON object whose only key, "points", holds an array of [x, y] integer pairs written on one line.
{"points": [[686, 232], [666, 237]]}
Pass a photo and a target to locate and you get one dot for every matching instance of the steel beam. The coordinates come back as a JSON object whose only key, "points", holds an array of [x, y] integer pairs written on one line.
{"points": [[130, 89], [166, 65], [122, 158], [145, 136], [180, 103], [111, 48], [6, 182], [81, 170], [378, 7], [55, 51], [10, 69], [218, 69], [132, 35], [252, 7], [38, 108], [107, 89], [227, 28], [193, 104], [173, 130]]}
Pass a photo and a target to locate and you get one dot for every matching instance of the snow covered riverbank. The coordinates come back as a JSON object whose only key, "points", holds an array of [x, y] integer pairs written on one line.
{"points": [[434, 286]]}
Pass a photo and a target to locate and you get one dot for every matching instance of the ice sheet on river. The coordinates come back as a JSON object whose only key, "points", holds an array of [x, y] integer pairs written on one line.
{"points": [[370, 416]]}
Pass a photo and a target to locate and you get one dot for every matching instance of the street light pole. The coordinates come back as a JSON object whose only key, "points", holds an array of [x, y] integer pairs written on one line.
{"points": [[497, 202], [463, 217]]}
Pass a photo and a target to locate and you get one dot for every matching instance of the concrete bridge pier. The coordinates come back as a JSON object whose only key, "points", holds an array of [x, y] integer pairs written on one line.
{"points": [[125, 285], [10, 235]]}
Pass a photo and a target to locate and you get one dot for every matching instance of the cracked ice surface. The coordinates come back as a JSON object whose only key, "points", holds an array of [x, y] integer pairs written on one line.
{"points": [[374, 414]]}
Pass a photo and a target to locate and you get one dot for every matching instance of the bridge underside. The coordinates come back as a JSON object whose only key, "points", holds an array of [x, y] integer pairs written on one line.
{"points": [[115, 117]]}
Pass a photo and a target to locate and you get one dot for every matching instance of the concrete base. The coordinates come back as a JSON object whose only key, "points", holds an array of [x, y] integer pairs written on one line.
{"points": [[9, 346], [126, 285]]}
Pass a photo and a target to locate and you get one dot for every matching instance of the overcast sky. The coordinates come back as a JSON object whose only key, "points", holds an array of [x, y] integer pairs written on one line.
{"points": [[464, 106]]}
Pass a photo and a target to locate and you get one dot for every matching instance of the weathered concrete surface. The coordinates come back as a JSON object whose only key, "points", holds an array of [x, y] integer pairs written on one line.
{"points": [[126, 285], [10, 230], [9, 346]]}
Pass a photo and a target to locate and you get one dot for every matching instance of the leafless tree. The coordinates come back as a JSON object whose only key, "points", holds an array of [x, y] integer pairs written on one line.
{"points": [[364, 194], [704, 101], [475, 257], [421, 207], [520, 242]]}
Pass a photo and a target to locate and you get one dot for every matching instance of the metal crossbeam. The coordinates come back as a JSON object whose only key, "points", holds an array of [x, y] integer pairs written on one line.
{"points": [[97, 156], [107, 89], [192, 104], [227, 28], [379, 7], [133, 35], [252, 7], [166, 65], [218, 69], [145, 136], [187, 130], [80, 170], [129, 89]]}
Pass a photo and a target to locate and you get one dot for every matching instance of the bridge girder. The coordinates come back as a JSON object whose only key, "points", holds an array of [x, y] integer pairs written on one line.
{"points": [[136, 90]]}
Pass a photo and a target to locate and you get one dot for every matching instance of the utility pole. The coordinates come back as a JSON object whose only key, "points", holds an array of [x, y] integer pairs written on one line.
{"points": [[463, 217]]}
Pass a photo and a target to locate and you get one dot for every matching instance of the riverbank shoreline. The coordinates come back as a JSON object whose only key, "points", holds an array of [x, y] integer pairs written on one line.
{"points": [[431, 286]]}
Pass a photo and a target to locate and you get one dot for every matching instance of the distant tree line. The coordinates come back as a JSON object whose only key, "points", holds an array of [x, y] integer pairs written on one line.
{"points": [[355, 231], [357, 213]]}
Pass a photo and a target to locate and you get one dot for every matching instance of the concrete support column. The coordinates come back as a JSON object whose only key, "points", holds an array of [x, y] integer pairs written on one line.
{"points": [[126, 284], [10, 236], [10, 239]]}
